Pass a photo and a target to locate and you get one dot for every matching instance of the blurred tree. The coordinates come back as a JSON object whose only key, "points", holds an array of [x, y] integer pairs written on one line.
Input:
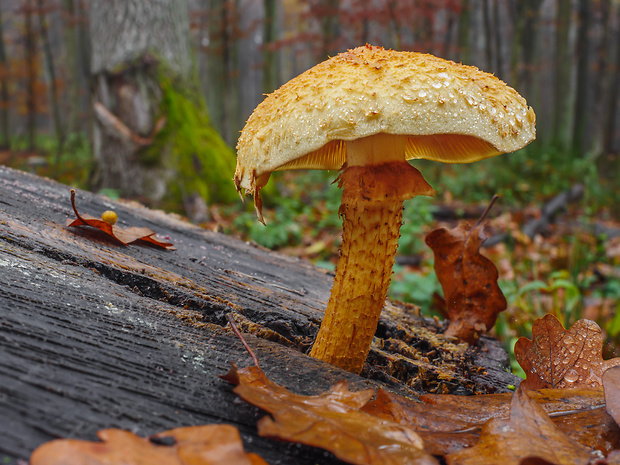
{"points": [[613, 115], [526, 17], [42, 8], [32, 72], [153, 137], [562, 76], [463, 37], [582, 96], [223, 89], [73, 62], [270, 56], [4, 91]]}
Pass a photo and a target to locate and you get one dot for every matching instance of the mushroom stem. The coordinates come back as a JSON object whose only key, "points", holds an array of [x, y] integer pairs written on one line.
{"points": [[371, 211], [369, 242]]}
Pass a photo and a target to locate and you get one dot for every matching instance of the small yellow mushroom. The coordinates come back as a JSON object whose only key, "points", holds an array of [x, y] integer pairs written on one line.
{"points": [[109, 217]]}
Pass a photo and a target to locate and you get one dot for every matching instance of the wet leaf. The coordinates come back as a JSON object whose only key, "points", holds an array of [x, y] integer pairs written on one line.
{"points": [[468, 279], [528, 433], [195, 445], [449, 423], [332, 421], [557, 358], [123, 235], [611, 384]]}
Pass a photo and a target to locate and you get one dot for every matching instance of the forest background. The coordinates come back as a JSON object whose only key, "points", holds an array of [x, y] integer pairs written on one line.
{"points": [[145, 100]]}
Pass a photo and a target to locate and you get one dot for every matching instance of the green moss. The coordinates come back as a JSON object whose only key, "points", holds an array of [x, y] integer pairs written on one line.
{"points": [[202, 161]]}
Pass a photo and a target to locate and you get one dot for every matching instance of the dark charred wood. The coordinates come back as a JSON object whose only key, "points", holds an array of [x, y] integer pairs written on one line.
{"points": [[96, 335]]}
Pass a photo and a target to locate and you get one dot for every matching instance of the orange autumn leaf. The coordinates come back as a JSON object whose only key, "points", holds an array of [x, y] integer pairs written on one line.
{"points": [[332, 421], [123, 235], [194, 445], [528, 433], [611, 384], [449, 423], [472, 296], [560, 358]]}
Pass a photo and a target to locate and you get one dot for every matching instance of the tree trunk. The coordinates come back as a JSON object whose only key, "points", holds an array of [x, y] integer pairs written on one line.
{"points": [[72, 62], [223, 91], [613, 114], [97, 335], [601, 81], [5, 131], [31, 82], [143, 77], [133, 41], [463, 39], [53, 84], [582, 94], [270, 56], [488, 36], [563, 69], [499, 55]]}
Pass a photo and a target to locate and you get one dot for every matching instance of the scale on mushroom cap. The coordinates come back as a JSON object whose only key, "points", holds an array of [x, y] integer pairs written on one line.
{"points": [[366, 112]]}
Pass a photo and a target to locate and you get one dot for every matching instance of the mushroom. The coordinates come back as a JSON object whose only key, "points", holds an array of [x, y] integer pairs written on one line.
{"points": [[366, 112]]}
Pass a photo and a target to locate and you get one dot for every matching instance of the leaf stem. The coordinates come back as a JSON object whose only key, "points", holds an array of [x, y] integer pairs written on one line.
{"points": [[233, 325]]}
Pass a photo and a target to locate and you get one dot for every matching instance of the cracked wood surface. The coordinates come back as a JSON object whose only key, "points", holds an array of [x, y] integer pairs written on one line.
{"points": [[97, 335]]}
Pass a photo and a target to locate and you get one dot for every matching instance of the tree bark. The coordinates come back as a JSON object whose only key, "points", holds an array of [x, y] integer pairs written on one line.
{"points": [[4, 92], [562, 115], [132, 42], [153, 138], [463, 38], [580, 122], [53, 84], [270, 57], [613, 113], [71, 36], [223, 91], [31, 80]]}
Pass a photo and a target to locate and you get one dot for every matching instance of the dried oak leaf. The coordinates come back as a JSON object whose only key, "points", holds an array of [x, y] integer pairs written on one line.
{"points": [[611, 384], [332, 421], [468, 279], [125, 236], [194, 445], [528, 433], [449, 423], [557, 358]]}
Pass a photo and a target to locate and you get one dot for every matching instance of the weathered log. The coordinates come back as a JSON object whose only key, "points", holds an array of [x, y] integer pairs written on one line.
{"points": [[94, 334]]}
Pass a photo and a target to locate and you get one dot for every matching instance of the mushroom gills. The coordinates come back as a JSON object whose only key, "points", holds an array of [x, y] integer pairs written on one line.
{"points": [[445, 148]]}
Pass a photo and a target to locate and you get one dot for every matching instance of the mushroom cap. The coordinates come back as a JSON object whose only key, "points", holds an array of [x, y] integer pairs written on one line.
{"points": [[450, 112]]}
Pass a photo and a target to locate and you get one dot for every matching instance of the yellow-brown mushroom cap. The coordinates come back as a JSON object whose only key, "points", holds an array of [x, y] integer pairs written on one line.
{"points": [[451, 112]]}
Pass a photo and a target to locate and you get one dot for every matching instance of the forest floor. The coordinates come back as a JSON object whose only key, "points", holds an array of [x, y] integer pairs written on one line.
{"points": [[553, 256]]}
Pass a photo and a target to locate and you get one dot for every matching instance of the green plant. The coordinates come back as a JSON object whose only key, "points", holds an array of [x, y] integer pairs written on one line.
{"points": [[417, 214], [417, 288], [564, 298]]}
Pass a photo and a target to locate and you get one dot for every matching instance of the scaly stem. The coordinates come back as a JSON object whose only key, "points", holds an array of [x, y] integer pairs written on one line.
{"points": [[369, 242], [375, 182]]}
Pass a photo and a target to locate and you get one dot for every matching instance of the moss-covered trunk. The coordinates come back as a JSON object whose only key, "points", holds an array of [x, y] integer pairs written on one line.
{"points": [[152, 135]]}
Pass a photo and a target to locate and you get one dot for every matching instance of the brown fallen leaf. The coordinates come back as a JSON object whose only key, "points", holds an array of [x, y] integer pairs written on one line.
{"points": [[125, 236], [557, 358], [332, 421], [528, 433], [611, 384], [443, 412], [472, 296], [449, 423], [193, 445]]}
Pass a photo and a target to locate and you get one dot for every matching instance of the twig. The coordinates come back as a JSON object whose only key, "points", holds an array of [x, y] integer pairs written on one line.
{"points": [[233, 325], [481, 219], [114, 124]]}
